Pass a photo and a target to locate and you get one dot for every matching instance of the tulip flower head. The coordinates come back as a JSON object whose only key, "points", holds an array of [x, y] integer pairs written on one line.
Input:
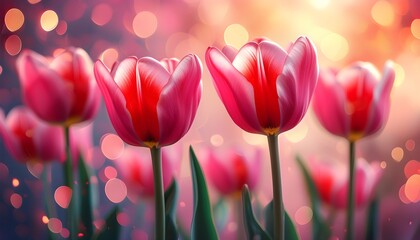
{"points": [[265, 89], [331, 180], [354, 102], [230, 169], [136, 171], [60, 90], [151, 103]]}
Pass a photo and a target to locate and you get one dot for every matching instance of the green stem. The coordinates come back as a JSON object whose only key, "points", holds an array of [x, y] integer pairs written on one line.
{"points": [[350, 195], [48, 200], [68, 181], [159, 194], [277, 192]]}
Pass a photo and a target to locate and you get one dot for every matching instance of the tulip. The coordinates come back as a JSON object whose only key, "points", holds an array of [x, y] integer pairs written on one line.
{"points": [[331, 182], [266, 90], [229, 170], [354, 103], [151, 103], [60, 90], [136, 171]]}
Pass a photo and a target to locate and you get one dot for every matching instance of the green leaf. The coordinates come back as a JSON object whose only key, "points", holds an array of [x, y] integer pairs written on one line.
{"points": [[86, 200], [290, 230], [111, 228], [372, 230], [320, 228], [252, 227], [202, 226], [171, 198]]}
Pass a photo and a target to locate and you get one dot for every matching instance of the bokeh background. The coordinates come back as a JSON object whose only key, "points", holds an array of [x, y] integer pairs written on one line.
{"points": [[343, 31]]}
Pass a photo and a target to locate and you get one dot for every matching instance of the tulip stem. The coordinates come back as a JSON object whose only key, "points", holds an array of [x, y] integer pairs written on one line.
{"points": [[350, 195], [159, 194], [277, 192], [68, 181], [49, 203]]}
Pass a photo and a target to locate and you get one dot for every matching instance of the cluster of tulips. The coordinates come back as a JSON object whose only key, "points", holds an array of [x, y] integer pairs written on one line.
{"points": [[265, 89]]}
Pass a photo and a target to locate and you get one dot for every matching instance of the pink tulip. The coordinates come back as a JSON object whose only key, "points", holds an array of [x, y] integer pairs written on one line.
{"points": [[331, 180], [354, 102], [60, 90], [30, 139], [265, 88], [230, 169], [136, 170], [151, 103]]}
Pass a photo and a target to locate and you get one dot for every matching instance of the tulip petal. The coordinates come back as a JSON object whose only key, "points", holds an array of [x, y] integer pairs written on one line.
{"points": [[328, 104], [43, 89], [301, 66], [9, 140], [179, 100], [381, 100], [230, 52], [234, 90], [169, 64], [116, 105]]}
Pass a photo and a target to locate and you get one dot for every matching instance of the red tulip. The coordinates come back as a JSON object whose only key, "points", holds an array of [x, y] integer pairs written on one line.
{"points": [[354, 102], [331, 180], [265, 88], [30, 139], [151, 103], [59, 90], [228, 170], [136, 170]]}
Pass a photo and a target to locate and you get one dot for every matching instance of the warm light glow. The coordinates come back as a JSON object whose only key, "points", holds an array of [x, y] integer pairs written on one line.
{"points": [[35, 168], [297, 134], [109, 57], [14, 19], [45, 219], [303, 215], [397, 154], [115, 190], [411, 167], [123, 219], [62, 196], [383, 165], [15, 182], [415, 28], [16, 200], [49, 20], [13, 45], [236, 35], [320, 4], [412, 188], [402, 196], [112, 146], [145, 24], [254, 139], [61, 28], [110, 172], [383, 13], [216, 140], [34, 1], [410, 145], [55, 225], [399, 75], [212, 12], [101, 14], [334, 46]]}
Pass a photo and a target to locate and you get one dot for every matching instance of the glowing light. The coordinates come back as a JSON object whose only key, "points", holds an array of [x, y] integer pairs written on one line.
{"points": [[61, 28], [399, 75], [123, 219], [236, 35], [65, 233], [320, 4], [383, 165], [1, 70], [383, 13], [412, 167], [16, 200], [34, 1], [415, 28], [55, 225], [297, 134], [412, 188], [35, 168], [254, 139], [4, 171], [13, 45], [144, 24], [402, 196], [112, 146], [213, 12], [62, 196], [110, 172], [14, 19], [45, 219], [115, 190], [334, 46], [397, 154], [49, 20], [101, 14], [216, 140], [303, 215], [109, 57], [15, 182], [58, 51], [410, 144]]}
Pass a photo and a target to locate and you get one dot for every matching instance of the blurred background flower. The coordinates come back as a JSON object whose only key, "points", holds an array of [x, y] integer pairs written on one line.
{"points": [[342, 31]]}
